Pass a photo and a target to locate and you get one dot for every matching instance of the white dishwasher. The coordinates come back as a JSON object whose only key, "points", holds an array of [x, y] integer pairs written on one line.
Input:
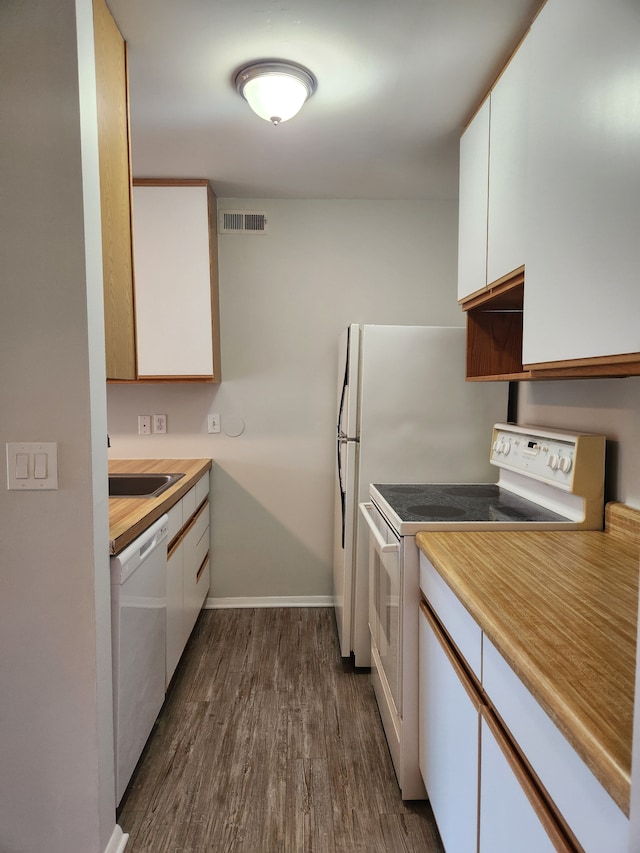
{"points": [[138, 637]]}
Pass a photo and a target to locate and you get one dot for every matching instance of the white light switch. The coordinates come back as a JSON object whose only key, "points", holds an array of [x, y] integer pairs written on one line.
{"points": [[40, 466], [22, 466], [32, 465]]}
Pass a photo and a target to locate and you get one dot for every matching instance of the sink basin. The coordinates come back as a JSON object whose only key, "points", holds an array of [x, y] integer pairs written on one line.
{"points": [[140, 485]]}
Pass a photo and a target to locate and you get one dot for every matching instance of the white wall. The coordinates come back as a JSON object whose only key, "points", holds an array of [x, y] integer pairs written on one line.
{"points": [[56, 737], [606, 406], [285, 297]]}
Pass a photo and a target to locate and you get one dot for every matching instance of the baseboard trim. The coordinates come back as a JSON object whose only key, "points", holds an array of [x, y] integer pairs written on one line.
{"points": [[270, 601], [118, 841]]}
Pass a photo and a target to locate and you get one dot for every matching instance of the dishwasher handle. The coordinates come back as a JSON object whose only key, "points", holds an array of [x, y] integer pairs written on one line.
{"points": [[382, 546]]}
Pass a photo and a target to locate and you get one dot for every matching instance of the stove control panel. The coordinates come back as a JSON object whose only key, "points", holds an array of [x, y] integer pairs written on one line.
{"points": [[568, 461]]}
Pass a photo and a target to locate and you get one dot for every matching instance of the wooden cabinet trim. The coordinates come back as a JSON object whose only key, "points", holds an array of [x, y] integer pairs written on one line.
{"points": [[625, 364], [505, 293], [114, 155], [204, 565]]}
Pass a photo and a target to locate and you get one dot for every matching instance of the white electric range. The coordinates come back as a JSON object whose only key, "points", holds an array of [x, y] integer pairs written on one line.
{"points": [[548, 479]]}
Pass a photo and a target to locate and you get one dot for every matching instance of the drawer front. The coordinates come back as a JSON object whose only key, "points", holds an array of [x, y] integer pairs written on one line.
{"points": [[175, 521], [197, 541], [456, 619], [593, 816], [189, 504], [202, 489]]}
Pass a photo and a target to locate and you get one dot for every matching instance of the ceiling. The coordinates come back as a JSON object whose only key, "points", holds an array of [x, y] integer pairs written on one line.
{"points": [[397, 81]]}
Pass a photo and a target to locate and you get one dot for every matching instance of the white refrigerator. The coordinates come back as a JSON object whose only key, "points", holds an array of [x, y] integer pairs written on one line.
{"points": [[405, 415]]}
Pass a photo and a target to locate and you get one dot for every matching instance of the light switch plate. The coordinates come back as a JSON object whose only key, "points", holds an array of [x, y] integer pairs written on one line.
{"points": [[32, 465]]}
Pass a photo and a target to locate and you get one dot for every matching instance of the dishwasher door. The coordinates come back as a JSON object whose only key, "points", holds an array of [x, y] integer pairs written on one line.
{"points": [[138, 623]]}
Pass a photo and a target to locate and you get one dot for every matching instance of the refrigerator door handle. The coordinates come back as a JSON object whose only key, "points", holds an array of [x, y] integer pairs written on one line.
{"points": [[341, 438]]}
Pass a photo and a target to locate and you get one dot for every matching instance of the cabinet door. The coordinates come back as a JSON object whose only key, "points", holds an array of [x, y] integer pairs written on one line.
{"points": [[176, 281], [474, 199], [508, 820], [448, 739], [175, 609], [588, 809], [115, 194], [581, 295], [195, 569], [507, 168]]}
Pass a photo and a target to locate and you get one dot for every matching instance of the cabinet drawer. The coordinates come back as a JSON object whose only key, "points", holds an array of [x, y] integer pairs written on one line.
{"points": [[175, 521], [202, 489], [197, 541], [455, 618], [593, 816], [189, 504]]}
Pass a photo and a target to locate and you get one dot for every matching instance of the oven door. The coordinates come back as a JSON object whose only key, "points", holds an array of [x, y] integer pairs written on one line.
{"points": [[384, 598]]}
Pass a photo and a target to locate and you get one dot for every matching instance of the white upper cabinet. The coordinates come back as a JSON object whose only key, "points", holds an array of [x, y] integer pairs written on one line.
{"points": [[582, 288], [474, 200], [176, 284], [491, 227], [507, 168]]}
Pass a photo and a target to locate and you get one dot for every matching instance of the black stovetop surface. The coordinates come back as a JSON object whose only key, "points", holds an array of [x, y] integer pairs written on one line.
{"points": [[478, 502]]}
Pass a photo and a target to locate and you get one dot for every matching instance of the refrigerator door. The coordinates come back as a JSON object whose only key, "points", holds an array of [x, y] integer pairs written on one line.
{"points": [[343, 542], [419, 421], [345, 506]]}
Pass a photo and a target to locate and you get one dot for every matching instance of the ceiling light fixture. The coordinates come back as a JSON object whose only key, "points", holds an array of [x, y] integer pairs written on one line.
{"points": [[275, 90]]}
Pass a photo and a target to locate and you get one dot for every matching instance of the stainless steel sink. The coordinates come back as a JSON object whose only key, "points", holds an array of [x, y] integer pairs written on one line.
{"points": [[140, 485]]}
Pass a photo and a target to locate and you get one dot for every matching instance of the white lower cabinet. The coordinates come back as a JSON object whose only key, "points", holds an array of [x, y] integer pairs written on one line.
{"points": [[195, 568], [187, 569], [508, 819], [498, 785], [599, 825], [175, 638], [448, 739]]}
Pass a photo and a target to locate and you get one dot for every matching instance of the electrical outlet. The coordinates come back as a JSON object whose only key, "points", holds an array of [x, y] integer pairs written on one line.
{"points": [[144, 424], [213, 423], [160, 423]]}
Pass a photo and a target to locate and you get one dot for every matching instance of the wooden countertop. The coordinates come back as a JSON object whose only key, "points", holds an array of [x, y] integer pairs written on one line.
{"points": [[128, 517], [562, 609]]}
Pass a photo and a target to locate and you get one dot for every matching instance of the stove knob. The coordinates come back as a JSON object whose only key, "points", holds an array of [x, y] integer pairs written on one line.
{"points": [[496, 446], [565, 464], [506, 447], [552, 462]]}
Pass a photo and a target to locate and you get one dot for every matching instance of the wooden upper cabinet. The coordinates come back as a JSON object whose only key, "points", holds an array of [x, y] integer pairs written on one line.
{"points": [[115, 194], [176, 273]]}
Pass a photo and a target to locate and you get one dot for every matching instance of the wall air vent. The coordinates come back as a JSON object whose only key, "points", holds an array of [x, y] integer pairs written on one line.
{"points": [[242, 222]]}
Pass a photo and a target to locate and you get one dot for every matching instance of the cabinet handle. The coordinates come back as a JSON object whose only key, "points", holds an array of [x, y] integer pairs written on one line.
{"points": [[202, 568]]}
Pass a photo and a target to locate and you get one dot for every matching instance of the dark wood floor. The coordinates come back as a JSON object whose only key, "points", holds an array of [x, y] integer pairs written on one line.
{"points": [[266, 744]]}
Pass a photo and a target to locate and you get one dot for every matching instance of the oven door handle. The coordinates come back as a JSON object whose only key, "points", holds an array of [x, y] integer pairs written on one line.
{"points": [[382, 546]]}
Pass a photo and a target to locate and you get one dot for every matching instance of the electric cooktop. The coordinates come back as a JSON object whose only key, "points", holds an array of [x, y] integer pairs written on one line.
{"points": [[462, 502], [548, 479]]}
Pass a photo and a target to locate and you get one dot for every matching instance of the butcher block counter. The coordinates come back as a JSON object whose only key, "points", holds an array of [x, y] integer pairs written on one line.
{"points": [[561, 607], [128, 517]]}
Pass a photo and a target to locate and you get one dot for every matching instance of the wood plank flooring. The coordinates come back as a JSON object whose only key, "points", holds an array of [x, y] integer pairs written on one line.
{"points": [[266, 743]]}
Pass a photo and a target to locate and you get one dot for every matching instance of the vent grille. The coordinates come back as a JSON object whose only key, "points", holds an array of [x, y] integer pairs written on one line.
{"points": [[242, 222]]}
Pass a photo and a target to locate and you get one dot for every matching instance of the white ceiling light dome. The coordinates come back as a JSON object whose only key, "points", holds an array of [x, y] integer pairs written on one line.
{"points": [[275, 90]]}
